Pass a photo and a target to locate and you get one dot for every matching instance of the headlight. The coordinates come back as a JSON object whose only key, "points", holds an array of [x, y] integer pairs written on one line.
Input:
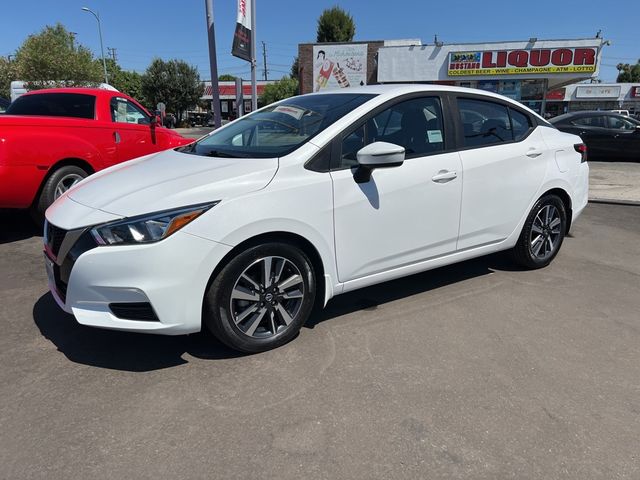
{"points": [[147, 228]]}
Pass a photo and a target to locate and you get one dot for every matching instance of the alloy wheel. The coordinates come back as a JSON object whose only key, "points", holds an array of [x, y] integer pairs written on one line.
{"points": [[66, 183], [545, 232], [267, 297]]}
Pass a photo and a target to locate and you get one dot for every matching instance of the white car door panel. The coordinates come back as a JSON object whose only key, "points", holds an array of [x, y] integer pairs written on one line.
{"points": [[498, 186], [403, 215]]}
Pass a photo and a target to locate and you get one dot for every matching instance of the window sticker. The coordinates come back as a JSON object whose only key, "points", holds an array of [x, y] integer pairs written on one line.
{"points": [[434, 136], [290, 110]]}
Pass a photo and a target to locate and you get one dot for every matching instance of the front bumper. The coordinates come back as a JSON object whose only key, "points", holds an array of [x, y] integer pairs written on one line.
{"points": [[171, 276]]}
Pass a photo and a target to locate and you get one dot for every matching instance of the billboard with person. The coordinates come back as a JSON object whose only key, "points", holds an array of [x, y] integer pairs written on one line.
{"points": [[339, 66]]}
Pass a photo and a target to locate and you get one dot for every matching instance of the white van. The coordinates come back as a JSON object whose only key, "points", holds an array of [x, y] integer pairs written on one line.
{"points": [[621, 112]]}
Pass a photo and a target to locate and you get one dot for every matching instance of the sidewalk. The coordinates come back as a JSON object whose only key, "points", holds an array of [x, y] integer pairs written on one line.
{"points": [[614, 181]]}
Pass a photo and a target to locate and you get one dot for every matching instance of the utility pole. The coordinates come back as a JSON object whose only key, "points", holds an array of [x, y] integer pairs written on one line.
{"points": [[254, 85], [213, 65], [112, 54], [264, 59]]}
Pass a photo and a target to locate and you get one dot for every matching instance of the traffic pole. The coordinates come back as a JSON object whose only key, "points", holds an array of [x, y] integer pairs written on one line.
{"points": [[213, 64]]}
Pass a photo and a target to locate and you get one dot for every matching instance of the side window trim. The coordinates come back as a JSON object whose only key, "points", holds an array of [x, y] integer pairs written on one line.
{"points": [[448, 125]]}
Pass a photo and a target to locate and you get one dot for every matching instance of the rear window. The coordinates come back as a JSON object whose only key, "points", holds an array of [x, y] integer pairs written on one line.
{"points": [[74, 105]]}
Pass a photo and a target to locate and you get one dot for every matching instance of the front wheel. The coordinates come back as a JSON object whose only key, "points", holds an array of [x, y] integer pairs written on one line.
{"points": [[61, 180], [261, 298], [542, 233]]}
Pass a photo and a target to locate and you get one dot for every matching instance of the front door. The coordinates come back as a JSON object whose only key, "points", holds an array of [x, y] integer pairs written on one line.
{"points": [[132, 131], [405, 214], [625, 144]]}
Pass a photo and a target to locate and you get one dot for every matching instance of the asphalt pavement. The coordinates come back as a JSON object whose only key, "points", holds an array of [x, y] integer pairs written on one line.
{"points": [[478, 370]]}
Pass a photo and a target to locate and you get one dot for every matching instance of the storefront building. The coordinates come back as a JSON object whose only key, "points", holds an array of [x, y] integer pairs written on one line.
{"points": [[228, 96], [595, 96], [527, 71]]}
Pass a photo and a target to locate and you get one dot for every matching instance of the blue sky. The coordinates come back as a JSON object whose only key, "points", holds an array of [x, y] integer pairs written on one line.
{"points": [[142, 29]]}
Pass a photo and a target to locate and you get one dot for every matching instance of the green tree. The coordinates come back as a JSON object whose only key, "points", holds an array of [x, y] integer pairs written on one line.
{"points": [[225, 77], [335, 25], [126, 81], [284, 88], [175, 83], [53, 56], [295, 69], [628, 73], [7, 75]]}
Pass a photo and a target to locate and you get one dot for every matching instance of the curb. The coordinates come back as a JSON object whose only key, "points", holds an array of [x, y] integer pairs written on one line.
{"points": [[632, 203]]}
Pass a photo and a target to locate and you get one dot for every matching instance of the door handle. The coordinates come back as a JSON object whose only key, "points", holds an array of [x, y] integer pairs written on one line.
{"points": [[444, 176], [533, 153], [116, 137]]}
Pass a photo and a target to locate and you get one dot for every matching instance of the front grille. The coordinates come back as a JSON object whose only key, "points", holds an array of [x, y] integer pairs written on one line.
{"points": [[134, 311], [62, 272], [55, 236]]}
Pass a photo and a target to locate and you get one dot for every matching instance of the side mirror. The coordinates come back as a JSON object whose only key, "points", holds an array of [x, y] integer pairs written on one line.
{"points": [[377, 155]]}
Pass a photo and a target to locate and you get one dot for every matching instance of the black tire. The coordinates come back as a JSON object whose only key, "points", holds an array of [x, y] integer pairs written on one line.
{"points": [[540, 240], [261, 331], [48, 191]]}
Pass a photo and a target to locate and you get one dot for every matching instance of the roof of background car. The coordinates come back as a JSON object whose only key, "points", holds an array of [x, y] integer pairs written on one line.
{"points": [[585, 113], [80, 90]]}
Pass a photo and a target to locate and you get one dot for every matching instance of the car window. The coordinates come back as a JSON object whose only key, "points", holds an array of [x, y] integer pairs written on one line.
{"points": [[621, 123], [594, 121], [279, 129], [520, 124], [416, 125], [484, 122], [74, 105], [123, 111]]}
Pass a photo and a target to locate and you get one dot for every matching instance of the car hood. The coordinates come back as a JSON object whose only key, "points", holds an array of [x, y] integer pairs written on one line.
{"points": [[171, 179]]}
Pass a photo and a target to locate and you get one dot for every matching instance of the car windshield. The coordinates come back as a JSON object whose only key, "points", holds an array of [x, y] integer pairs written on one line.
{"points": [[279, 129]]}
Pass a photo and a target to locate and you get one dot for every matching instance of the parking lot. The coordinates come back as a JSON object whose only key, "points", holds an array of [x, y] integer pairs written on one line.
{"points": [[478, 370]]}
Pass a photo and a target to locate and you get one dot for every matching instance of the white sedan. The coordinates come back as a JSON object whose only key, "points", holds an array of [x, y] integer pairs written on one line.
{"points": [[248, 228]]}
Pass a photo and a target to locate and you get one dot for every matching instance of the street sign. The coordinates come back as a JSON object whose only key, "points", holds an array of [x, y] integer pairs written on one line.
{"points": [[162, 107]]}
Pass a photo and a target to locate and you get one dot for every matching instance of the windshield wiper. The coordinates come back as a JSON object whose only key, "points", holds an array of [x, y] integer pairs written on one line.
{"points": [[218, 153]]}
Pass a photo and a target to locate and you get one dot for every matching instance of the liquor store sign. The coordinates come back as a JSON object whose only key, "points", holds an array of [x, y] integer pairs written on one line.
{"points": [[520, 62]]}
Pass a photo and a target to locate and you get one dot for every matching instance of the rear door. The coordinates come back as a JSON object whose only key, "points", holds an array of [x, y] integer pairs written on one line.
{"points": [[504, 161], [133, 133]]}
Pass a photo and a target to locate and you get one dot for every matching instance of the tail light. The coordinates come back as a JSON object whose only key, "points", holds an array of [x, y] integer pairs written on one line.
{"points": [[581, 148]]}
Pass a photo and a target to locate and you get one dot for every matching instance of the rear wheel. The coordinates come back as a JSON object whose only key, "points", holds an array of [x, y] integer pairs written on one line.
{"points": [[542, 234], [61, 180], [261, 298]]}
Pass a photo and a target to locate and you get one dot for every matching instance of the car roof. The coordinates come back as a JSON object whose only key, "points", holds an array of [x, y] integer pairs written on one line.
{"points": [[80, 90], [396, 89], [586, 113]]}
